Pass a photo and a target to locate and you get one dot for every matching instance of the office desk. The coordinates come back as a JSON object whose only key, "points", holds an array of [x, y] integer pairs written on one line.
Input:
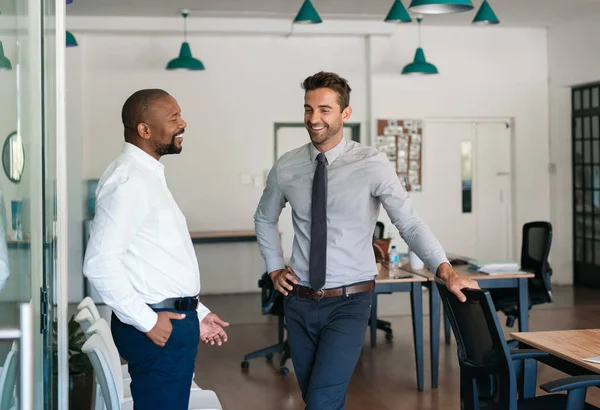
{"points": [[222, 236], [567, 348], [516, 280], [412, 284]]}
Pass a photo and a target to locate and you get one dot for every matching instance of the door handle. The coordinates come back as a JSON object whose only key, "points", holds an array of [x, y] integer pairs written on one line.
{"points": [[500, 174]]}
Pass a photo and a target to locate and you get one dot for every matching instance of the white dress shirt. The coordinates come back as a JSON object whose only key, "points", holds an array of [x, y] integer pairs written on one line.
{"points": [[359, 180], [140, 250]]}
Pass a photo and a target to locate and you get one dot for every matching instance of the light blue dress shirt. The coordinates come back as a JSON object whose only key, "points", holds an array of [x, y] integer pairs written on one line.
{"points": [[360, 179]]}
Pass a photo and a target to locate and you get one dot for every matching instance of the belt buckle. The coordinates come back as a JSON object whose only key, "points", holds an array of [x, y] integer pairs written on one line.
{"points": [[321, 294]]}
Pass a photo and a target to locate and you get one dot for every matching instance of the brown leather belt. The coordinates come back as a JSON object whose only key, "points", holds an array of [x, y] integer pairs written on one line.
{"points": [[309, 293]]}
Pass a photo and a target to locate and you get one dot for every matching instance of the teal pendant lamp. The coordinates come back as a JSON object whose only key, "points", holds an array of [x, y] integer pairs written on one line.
{"points": [[486, 15], [398, 14], [5, 64], [185, 61], [440, 6], [71, 42], [419, 66], [307, 14]]}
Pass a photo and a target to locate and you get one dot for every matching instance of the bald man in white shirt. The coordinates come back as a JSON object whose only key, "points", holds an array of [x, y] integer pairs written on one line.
{"points": [[141, 260]]}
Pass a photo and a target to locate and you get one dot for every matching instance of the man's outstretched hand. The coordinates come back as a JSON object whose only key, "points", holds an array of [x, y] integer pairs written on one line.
{"points": [[212, 330]]}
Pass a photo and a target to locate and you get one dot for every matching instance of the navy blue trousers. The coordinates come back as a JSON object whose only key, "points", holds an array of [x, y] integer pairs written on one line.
{"points": [[161, 377], [326, 337]]}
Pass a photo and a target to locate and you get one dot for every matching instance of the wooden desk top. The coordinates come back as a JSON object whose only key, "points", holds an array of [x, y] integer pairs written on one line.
{"points": [[221, 234], [384, 276], [463, 270], [570, 345]]}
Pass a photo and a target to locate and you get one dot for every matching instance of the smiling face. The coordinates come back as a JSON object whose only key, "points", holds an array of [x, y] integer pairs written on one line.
{"points": [[166, 126], [324, 117]]}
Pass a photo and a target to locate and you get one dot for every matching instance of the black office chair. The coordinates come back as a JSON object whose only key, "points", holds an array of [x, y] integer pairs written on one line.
{"points": [[384, 325], [483, 355], [272, 304], [535, 248]]}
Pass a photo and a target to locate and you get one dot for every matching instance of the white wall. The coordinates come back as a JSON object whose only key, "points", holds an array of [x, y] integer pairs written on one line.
{"points": [[573, 59], [494, 72], [252, 81]]}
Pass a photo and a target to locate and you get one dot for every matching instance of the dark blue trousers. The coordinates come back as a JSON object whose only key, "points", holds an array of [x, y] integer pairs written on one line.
{"points": [[161, 377], [326, 337]]}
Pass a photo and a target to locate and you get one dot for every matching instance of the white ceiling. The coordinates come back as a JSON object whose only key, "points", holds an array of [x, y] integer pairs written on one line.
{"points": [[523, 13]]}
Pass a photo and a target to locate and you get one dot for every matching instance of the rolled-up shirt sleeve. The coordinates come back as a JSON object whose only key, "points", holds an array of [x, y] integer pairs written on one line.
{"points": [[266, 221], [387, 188], [120, 212]]}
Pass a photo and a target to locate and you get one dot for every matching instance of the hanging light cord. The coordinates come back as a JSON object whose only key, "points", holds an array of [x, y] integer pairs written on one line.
{"points": [[419, 21], [185, 13]]}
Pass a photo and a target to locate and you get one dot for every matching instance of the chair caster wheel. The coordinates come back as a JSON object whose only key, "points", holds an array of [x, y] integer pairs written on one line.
{"points": [[245, 364], [284, 371], [389, 336], [269, 357]]}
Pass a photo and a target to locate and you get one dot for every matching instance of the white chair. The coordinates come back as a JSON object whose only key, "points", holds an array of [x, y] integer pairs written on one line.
{"points": [[109, 377], [8, 379], [85, 318], [88, 302]]}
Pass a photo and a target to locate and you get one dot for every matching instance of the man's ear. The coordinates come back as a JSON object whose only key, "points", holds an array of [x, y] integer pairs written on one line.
{"points": [[347, 113], [143, 130]]}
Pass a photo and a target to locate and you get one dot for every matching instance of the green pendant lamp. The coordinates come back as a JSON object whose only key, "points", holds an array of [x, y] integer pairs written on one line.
{"points": [[307, 14], [419, 66], [5, 64], [185, 61], [486, 15], [440, 6], [71, 42], [398, 14]]}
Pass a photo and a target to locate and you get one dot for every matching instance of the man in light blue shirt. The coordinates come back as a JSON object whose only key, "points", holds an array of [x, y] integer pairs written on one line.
{"points": [[335, 188]]}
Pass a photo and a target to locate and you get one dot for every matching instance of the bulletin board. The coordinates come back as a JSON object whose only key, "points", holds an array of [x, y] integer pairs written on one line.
{"points": [[401, 141]]}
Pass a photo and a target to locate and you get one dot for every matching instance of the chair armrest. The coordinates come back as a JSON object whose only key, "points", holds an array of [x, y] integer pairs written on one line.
{"points": [[520, 354], [571, 383]]}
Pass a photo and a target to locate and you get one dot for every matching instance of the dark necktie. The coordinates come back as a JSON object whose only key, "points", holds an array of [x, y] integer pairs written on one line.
{"points": [[318, 228]]}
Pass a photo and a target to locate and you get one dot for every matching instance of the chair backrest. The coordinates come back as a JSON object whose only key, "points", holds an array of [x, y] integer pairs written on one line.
{"points": [[107, 377], [271, 298], [379, 230], [85, 319], [535, 249], [102, 329], [8, 378], [88, 302], [482, 349]]}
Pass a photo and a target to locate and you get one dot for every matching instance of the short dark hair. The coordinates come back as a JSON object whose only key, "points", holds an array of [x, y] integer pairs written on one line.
{"points": [[136, 107], [332, 81]]}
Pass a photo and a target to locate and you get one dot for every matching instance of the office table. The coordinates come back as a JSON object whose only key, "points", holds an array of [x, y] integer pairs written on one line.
{"points": [[412, 284]]}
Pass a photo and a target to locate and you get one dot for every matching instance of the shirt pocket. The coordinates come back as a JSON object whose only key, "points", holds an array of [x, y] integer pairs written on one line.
{"points": [[169, 233]]}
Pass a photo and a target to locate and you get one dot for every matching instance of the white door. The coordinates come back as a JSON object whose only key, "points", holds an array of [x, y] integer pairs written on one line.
{"points": [[450, 149], [492, 191], [288, 139]]}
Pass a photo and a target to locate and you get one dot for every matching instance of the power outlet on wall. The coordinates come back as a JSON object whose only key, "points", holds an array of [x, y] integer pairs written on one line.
{"points": [[246, 179]]}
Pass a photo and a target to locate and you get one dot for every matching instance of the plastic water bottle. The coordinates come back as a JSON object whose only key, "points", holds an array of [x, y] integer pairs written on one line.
{"points": [[394, 262]]}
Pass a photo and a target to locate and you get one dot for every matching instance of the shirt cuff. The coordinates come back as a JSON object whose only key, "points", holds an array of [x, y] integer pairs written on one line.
{"points": [[274, 264], [147, 321], [435, 261], [203, 311]]}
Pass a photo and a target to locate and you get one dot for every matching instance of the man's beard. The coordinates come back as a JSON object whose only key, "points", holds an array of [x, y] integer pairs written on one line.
{"points": [[168, 149]]}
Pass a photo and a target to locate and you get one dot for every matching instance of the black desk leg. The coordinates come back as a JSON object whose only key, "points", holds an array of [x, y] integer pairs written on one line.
{"points": [[434, 330], [416, 301], [523, 305], [373, 324]]}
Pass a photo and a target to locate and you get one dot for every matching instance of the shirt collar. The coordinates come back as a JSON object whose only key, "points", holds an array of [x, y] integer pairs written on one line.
{"points": [[332, 154], [143, 157]]}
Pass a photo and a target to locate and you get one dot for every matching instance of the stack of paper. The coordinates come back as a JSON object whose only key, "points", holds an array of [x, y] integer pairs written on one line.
{"points": [[494, 267]]}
